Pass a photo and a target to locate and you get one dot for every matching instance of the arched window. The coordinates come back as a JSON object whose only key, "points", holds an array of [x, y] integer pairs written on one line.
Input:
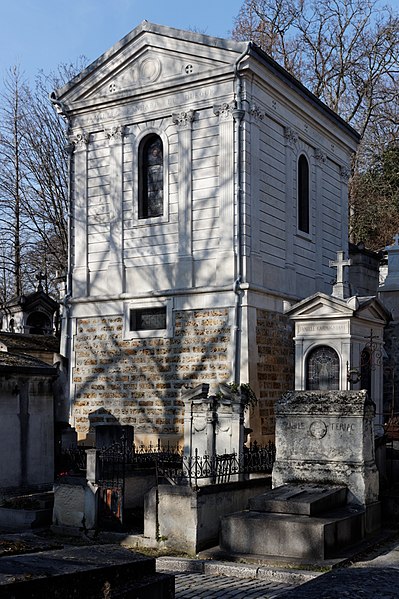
{"points": [[303, 194], [151, 177], [322, 369]]}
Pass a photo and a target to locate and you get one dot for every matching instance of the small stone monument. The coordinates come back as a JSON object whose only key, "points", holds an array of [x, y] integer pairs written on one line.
{"points": [[326, 437], [325, 481]]}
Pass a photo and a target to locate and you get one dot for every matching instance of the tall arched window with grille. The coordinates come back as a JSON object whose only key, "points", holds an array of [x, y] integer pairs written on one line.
{"points": [[151, 177], [322, 369], [303, 194]]}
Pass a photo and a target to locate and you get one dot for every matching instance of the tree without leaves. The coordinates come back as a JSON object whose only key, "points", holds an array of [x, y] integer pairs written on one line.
{"points": [[347, 53], [12, 178], [42, 180]]}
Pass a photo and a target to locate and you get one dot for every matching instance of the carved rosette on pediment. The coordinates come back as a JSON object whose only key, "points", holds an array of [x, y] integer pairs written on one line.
{"points": [[115, 133], [320, 156], [345, 172], [256, 112], [291, 137], [183, 119], [224, 111]]}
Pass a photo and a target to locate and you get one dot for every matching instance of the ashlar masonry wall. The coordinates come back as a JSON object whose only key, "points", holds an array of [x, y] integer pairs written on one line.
{"points": [[138, 381]]}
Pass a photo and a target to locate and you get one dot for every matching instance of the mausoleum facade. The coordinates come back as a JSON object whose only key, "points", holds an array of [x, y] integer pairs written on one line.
{"points": [[208, 192]]}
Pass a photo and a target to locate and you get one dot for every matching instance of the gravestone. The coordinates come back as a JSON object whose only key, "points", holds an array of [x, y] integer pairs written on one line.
{"points": [[327, 437], [325, 481]]}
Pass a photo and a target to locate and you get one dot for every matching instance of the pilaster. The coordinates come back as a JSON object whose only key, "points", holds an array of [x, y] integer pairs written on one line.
{"points": [[183, 121], [226, 187], [320, 160], [291, 141], [116, 267], [79, 148], [257, 117], [345, 172]]}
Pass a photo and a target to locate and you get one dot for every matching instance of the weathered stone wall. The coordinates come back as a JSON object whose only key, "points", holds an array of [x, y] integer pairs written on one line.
{"points": [[274, 338], [138, 381]]}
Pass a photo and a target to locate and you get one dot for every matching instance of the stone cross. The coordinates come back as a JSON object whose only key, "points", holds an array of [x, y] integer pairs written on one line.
{"points": [[340, 288], [40, 278]]}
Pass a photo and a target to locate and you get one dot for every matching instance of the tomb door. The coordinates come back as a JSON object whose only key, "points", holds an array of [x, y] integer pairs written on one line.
{"points": [[322, 369]]}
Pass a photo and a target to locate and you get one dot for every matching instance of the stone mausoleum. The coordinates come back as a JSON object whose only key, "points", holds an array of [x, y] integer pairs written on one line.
{"points": [[209, 194]]}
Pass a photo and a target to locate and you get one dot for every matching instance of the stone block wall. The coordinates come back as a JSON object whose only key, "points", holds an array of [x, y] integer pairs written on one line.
{"points": [[274, 339], [138, 382]]}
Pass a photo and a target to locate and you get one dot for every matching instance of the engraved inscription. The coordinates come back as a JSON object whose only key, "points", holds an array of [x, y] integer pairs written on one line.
{"points": [[293, 425], [320, 328], [318, 428], [346, 427]]}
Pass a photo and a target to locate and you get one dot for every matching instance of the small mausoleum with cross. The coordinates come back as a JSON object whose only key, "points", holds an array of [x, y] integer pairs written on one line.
{"points": [[339, 340], [35, 313]]}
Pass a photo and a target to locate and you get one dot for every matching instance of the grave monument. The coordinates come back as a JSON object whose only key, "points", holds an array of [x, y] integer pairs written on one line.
{"points": [[325, 481]]}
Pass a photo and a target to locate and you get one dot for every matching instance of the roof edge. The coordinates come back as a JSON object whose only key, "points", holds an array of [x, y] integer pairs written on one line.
{"points": [[300, 88], [149, 27]]}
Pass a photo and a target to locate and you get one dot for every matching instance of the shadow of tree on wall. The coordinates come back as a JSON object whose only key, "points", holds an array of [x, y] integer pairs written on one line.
{"points": [[139, 380]]}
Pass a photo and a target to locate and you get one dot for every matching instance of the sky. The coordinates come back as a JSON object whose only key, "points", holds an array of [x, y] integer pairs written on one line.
{"points": [[41, 34]]}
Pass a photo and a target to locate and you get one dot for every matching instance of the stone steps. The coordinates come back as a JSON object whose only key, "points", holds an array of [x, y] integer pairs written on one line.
{"points": [[308, 500], [299, 521]]}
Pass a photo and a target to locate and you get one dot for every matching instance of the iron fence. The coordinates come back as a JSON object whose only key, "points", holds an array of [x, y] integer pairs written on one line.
{"points": [[118, 461], [218, 468]]}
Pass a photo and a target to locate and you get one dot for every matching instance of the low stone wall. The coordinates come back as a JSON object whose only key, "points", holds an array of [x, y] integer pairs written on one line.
{"points": [[188, 519]]}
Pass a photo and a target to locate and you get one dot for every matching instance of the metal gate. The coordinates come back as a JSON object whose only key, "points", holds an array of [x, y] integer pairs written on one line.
{"points": [[111, 480]]}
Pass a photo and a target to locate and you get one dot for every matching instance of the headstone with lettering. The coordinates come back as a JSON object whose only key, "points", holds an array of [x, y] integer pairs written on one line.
{"points": [[326, 437]]}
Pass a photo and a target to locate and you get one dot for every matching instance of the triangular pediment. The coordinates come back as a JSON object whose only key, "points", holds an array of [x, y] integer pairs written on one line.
{"points": [[325, 306], [150, 57], [372, 310], [321, 306]]}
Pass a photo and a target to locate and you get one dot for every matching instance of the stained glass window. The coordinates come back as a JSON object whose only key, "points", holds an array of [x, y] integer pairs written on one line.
{"points": [[322, 369], [151, 174], [303, 194]]}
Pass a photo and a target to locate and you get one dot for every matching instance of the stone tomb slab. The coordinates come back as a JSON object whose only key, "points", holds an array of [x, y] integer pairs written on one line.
{"points": [[83, 573], [291, 536], [301, 499]]}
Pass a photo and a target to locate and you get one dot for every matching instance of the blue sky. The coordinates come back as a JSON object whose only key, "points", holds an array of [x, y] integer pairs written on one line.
{"points": [[41, 34]]}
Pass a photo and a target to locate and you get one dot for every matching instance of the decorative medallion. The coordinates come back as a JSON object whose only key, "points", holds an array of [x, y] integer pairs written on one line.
{"points": [[318, 429], [149, 70]]}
